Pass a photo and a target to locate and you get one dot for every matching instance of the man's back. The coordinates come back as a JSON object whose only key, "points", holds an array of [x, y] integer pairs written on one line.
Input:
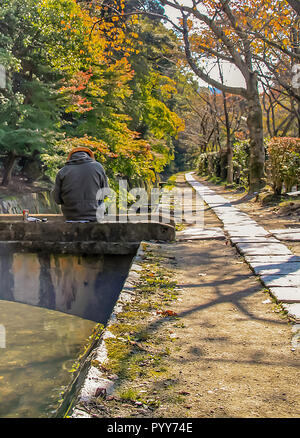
{"points": [[76, 187]]}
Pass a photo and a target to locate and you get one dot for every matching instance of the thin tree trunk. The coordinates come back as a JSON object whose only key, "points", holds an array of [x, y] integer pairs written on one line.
{"points": [[229, 162], [9, 165], [223, 164], [229, 173], [298, 118], [267, 111], [257, 150], [288, 125], [295, 4], [229, 151]]}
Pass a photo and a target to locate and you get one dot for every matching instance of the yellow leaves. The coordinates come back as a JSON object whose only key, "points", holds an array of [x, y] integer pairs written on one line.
{"points": [[134, 19], [270, 19], [286, 42], [227, 32], [190, 24]]}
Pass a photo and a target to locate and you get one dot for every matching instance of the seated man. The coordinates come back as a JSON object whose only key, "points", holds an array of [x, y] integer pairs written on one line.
{"points": [[77, 184]]}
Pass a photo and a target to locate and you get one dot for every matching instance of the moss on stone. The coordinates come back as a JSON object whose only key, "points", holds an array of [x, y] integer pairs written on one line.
{"points": [[138, 352]]}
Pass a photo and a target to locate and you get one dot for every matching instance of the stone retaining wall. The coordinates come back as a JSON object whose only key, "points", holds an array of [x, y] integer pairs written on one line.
{"points": [[36, 203], [56, 236]]}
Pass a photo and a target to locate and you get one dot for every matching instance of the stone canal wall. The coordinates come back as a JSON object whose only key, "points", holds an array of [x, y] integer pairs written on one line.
{"points": [[57, 236], [37, 203]]}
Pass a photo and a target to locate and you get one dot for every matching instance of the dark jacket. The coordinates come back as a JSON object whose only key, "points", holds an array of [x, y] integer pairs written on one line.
{"points": [[76, 187]]}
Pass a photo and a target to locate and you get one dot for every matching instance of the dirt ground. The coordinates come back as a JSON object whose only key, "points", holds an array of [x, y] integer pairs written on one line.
{"points": [[219, 348]]}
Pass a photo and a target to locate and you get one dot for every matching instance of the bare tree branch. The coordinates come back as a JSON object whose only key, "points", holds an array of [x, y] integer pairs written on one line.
{"points": [[295, 4]]}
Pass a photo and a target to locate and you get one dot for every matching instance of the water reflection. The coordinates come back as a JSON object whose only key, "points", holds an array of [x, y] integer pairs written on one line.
{"points": [[49, 305], [41, 346], [85, 286]]}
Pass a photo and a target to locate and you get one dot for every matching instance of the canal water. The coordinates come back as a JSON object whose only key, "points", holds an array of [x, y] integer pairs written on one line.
{"points": [[49, 307]]}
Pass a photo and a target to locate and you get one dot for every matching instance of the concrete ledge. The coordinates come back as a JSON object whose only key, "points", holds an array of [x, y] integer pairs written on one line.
{"points": [[54, 231], [73, 248]]}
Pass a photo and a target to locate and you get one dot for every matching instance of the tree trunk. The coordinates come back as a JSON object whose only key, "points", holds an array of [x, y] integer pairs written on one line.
{"points": [[298, 118], [257, 150], [229, 162], [223, 164], [229, 151], [277, 190], [9, 165]]}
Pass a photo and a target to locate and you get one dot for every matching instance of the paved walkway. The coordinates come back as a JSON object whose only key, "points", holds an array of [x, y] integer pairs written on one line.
{"points": [[275, 264]]}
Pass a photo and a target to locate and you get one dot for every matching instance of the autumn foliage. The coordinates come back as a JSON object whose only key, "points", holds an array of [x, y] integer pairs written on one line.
{"points": [[72, 81]]}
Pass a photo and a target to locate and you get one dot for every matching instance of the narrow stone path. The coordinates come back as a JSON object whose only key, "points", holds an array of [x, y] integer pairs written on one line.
{"points": [[275, 264]]}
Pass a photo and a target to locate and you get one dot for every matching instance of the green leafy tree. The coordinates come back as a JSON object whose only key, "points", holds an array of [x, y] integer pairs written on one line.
{"points": [[28, 110], [74, 78]]}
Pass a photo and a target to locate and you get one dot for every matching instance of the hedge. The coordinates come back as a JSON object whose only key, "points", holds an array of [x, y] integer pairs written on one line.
{"points": [[282, 163], [213, 163]]}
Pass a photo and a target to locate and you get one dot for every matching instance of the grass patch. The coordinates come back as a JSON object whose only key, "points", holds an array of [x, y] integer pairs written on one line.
{"points": [[180, 227], [140, 349], [216, 180], [128, 395]]}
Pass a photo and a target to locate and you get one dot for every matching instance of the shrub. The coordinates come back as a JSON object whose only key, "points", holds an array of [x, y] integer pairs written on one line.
{"points": [[202, 164], [283, 164], [209, 163], [240, 162]]}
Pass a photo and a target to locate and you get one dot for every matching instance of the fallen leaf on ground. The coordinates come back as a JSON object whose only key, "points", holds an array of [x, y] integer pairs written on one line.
{"points": [[136, 344], [166, 313]]}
